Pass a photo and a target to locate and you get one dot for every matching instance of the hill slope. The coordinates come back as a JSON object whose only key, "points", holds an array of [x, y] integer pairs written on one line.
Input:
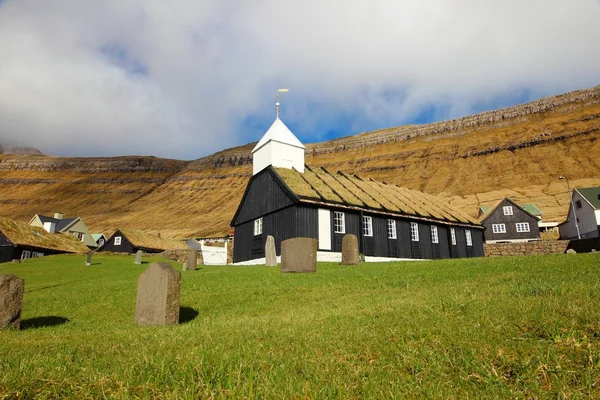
{"points": [[518, 152]]}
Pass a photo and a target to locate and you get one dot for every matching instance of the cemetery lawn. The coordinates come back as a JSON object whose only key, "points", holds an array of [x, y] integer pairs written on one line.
{"points": [[511, 327]]}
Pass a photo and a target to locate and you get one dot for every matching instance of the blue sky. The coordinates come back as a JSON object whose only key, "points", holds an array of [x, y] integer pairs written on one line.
{"points": [[188, 78]]}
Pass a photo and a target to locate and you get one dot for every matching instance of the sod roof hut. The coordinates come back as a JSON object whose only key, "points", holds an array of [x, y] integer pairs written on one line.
{"points": [[19, 241], [131, 240]]}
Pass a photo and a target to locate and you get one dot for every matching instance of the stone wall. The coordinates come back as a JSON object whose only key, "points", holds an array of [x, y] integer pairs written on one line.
{"points": [[526, 248], [180, 256]]}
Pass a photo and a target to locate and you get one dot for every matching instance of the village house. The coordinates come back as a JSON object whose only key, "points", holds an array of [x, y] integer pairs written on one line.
{"points": [[286, 199], [507, 221], [585, 209], [19, 241], [131, 240], [71, 226], [99, 238]]}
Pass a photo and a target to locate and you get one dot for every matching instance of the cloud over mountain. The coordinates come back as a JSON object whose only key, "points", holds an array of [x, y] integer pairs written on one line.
{"points": [[188, 78]]}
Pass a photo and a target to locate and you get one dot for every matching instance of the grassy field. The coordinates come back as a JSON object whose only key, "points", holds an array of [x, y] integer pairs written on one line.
{"points": [[511, 327]]}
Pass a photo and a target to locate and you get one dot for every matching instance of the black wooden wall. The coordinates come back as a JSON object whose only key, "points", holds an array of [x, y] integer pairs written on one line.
{"points": [[124, 247], [510, 221], [286, 223], [264, 195]]}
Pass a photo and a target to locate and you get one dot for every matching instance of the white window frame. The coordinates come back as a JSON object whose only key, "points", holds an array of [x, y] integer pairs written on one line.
{"points": [[468, 237], [523, 227], [25, 254], [367, 226], [391, 225], [414, 232], [258, 226], [434, 234], [453, 236], [117, 240], [499, 228], [507, 210], [339, 222]]}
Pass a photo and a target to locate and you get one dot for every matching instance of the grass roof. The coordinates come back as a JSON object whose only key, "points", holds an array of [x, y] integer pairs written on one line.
{"points": [[23, 234], [152, 241], [320, 185]]}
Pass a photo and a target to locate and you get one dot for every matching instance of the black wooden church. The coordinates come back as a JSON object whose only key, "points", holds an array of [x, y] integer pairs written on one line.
{"points": [[286, 199]]}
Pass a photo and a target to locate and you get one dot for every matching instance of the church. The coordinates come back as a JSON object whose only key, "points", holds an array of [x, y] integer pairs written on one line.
{"points": [[286, 198]]}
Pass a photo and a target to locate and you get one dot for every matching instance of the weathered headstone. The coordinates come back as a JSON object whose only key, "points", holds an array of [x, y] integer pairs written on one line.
{"points": [[299, 255], [88, 259], [184, 266], [158, 296], [571, 251], [192, 260], [11, 301], [270, 252], [350, 254], [138, 257]]}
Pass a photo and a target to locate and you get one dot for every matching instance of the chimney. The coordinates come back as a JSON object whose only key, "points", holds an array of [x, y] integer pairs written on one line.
{"points": [[50, 227], [58, 215]]}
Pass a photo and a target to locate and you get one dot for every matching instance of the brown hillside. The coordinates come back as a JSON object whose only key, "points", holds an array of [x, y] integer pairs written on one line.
{"points": [[517, 152]]}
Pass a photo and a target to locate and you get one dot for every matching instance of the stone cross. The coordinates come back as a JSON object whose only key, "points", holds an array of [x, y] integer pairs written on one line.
{"points": [[11, 301], [270, 252], [88, 259], [299, 255], [138, 257], [192, 260], [158, 296], [350, 254]]}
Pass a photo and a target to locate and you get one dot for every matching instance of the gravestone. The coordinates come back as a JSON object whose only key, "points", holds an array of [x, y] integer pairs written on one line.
{"points": [[138, 257], [350, 255], [299, 255], [192, 260], [158, 296], [88, 259], [270, 252], [11, 301], [593, 250], [184, 266], [571, 251]]}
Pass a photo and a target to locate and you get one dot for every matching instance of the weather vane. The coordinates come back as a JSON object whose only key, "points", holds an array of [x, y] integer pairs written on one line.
{"points": [[277, 99]]}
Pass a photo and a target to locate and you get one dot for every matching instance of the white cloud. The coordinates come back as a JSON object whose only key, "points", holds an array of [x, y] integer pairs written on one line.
{"points": [[177, 79]]}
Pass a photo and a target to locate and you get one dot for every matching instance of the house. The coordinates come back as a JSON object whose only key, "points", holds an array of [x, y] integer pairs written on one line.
{"points": [[99, 238], [19, 241], [285, 198], [72, 226], [507, 221], [585, 203], [533, 209], [131, 240]]}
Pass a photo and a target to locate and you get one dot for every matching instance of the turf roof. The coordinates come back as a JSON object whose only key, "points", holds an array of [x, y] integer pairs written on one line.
{"points": [[151, 241], [24, 234], [323, 187]]}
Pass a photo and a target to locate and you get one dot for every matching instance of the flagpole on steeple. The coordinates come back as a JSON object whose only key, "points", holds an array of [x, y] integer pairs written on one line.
{"points": [[277, 99]]}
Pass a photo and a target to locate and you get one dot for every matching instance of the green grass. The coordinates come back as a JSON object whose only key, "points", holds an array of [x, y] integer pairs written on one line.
{"points": [[514, 327]]}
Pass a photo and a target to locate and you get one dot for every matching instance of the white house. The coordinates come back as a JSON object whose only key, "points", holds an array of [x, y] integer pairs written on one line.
{"points": [[585, 202]]}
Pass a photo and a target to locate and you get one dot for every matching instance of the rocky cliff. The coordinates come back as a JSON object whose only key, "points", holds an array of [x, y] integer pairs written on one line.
{"points": [[518, 152]]}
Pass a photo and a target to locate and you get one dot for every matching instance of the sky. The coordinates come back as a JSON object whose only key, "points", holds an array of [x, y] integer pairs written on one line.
{"points": [[187, 78]]}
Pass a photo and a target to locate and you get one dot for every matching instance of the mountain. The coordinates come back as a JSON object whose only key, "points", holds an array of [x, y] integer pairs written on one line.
{"points": [[519, 152]]}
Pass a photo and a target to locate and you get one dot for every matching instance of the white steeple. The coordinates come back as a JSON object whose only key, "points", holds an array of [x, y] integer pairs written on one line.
{"points": [[278, 147]]}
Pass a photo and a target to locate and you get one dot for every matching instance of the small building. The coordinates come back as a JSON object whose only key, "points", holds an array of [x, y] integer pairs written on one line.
{"points": [[285, 198], [19, 241], [99, 238], [71, 226], [131, 240], [507, 221], [586, 203]]}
